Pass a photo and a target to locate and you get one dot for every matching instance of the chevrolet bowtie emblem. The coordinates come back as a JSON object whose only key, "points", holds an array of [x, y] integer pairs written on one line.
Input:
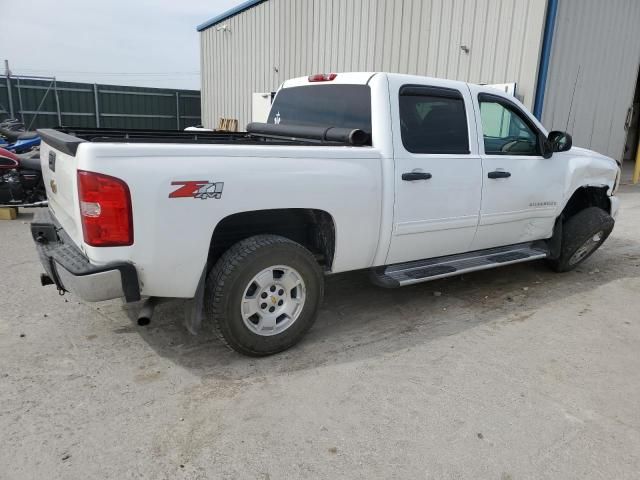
{"points": [[274, 299], [54, 186]]}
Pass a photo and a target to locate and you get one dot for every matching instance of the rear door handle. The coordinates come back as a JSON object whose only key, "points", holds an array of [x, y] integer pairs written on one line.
{"points": [[412, 176], [499, 174]]}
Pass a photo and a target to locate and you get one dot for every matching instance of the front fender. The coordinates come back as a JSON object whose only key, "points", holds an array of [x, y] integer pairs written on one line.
{"points": [[588, 169]]}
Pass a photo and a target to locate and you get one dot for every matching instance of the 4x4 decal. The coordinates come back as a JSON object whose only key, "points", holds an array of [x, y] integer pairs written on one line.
{"points": [[201, 189]]}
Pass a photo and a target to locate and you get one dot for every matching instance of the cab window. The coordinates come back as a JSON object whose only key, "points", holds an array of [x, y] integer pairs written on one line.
{"points": [[433, 120], [505, 129], [341, 105]]}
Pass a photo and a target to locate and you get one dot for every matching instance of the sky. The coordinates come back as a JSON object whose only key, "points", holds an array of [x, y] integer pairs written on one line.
{"points": [[151, 43]]}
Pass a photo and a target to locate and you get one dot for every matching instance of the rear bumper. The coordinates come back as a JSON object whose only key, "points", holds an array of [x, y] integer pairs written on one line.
{"points": [[71, 270]]}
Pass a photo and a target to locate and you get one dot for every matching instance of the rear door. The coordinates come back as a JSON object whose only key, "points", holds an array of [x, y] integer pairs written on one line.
{"points": [[438, 173], [521, 189]]}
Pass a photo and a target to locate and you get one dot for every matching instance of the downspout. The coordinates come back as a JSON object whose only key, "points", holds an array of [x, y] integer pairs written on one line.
{"points": [[545, 57]]}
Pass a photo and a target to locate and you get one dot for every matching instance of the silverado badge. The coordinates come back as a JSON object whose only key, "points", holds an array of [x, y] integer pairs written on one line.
{"points": [[201, 189]]}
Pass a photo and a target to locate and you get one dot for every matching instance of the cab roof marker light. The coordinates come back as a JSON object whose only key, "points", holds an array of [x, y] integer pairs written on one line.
{"points": [[322, 77]]}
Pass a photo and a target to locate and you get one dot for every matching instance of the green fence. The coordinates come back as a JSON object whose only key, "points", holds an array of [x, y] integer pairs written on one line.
{"points": [[44, 102]]}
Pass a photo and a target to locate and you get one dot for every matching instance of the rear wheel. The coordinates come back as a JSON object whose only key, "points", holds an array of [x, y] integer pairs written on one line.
{"points": [[263, 294], [582, 235]]}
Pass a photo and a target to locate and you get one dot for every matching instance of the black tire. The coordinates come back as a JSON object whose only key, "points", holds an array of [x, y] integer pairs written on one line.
{"points": [[579, 232], [228, 280]]}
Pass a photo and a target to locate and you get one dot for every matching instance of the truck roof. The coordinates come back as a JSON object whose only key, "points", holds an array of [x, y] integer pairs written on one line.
{"points": [[363, 78]]}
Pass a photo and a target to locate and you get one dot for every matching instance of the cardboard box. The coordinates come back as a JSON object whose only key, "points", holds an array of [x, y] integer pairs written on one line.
{"points": [[8, 213]]}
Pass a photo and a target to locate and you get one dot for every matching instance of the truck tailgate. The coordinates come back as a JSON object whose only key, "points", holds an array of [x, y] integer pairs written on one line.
{"points": [[59, 172]]}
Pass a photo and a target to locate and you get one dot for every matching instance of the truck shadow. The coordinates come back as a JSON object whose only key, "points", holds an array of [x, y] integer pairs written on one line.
{"points": [[359, 320]]}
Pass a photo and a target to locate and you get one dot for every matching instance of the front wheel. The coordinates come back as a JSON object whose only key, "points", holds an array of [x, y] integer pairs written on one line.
{"points": [[582, 235], [263, 294]]}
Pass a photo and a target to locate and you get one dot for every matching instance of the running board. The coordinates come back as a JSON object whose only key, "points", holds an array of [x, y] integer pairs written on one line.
{"points": [[408, 273]]}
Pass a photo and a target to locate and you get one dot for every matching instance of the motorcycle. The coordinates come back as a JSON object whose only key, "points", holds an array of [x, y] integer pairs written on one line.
{"points": [[14, 138], [21, 183]]}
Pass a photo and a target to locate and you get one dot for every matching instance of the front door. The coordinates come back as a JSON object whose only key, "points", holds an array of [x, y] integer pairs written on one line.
{"points": [[522, 190], [438, 173]]}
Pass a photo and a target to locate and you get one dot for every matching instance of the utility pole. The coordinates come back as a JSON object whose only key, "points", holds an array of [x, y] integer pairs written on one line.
{"points": [[7, 73]]}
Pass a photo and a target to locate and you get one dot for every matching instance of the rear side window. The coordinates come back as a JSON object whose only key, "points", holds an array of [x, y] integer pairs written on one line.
{"points": [[347, 106], [433, 120]]}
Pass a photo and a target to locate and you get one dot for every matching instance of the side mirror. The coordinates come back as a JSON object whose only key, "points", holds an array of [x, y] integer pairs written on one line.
{"points": [[560, 141], [545, 146]]}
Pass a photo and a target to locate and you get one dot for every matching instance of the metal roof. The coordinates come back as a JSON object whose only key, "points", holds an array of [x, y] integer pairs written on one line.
{"points": [[229, 13]]}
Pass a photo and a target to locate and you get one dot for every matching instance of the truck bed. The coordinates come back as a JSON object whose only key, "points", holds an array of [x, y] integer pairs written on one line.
{"points": [[67, 139]]}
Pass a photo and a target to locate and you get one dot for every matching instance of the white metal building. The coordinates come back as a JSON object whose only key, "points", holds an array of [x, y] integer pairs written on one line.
{"points": [[575, 62]]}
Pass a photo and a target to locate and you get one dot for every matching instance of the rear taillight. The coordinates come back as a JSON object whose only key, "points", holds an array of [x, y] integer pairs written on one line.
{"points": [[105, 209], [322, 77]]}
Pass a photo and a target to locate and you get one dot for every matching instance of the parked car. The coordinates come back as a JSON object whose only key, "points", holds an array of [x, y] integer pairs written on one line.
{"points": [[410, 177]]}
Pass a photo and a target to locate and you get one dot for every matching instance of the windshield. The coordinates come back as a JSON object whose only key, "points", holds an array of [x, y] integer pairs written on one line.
{"points": [[347, 106]]}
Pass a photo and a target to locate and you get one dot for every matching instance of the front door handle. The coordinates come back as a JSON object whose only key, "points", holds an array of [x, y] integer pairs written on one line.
{"points": [[499, 174], [413, 176]]}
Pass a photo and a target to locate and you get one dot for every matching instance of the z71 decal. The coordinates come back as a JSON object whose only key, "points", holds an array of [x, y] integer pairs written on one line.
{"points": [[201, 189]]}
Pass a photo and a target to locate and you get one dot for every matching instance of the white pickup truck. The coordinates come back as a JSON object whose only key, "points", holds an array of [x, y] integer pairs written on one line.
{"points": [[411, 177]]}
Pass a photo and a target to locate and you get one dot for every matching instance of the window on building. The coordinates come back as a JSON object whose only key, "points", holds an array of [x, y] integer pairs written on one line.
{"points": [[433, 121], [505, 130]]}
